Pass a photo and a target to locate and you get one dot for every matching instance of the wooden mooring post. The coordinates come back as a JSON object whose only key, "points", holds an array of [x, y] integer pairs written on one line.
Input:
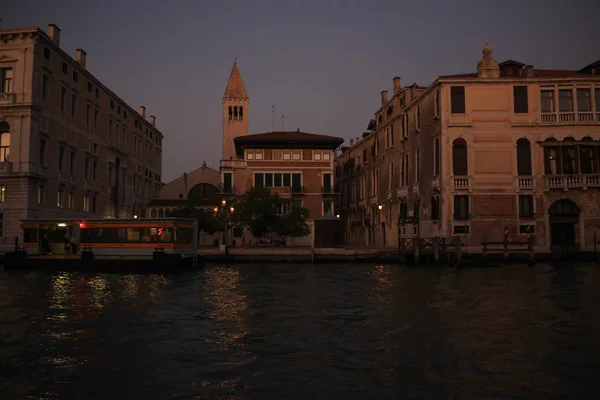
{"points": [[436, 250], [416, 246]]}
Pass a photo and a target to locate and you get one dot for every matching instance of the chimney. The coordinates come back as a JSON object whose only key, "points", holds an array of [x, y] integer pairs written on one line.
{"points": [[384, 97], [143, 111], [80, 57], [153, 120], [357, 139], [529, 71], [351, 142], [397, 86], [54, 33]]}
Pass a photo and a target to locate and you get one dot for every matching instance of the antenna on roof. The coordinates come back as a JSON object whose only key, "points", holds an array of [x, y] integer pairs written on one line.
{"points": [[273, 118], [281, 122]]}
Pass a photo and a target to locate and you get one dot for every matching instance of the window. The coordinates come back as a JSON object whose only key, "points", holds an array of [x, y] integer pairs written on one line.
{"points": [[112, 104], [73, 105], [320, 155], [2, 193], [584, 103], [597, 97], [437, 103], [259, 180], [87, 114], [241, 112], [45, 79], [6, 77], [254, 154], [565, 100], [269, 180], [461, 207], [65, 69], [526, 206], [418, 119], [59, 198], [97, 93], [87, 168], [75, 76], [296, 155], [46, 53], [551, 160], [40, 195], [457, 99], [61, 159], [94, 170], [94, 204], [459, 157], [436, 159], [417, 164], [63, 98], [327, 207], [70, 201], [42, 152], [435, 208], [4, 146], [588, 158], [89, 87], [86, 203], [277, 181], [317, 156], [227, 182], [72, 163], [523, 157], [96, 118], [547, 101], [521, 101]]}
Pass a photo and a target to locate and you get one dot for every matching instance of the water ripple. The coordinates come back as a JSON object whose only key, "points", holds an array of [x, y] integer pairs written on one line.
{"points": [[302, 331]]}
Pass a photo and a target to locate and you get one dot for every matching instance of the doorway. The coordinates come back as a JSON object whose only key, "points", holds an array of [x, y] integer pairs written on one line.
{"points": [[564, 218]]}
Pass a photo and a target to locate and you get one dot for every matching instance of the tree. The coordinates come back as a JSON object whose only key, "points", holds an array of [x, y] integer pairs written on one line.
{"points": [[257, 210], [207, 222], [293, 223]]}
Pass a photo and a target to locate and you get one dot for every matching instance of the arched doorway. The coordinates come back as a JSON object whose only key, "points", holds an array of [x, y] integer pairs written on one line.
{"points": [[563, 217]]}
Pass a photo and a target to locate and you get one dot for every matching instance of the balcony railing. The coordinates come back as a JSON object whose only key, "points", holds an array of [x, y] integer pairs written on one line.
{"points": [[461, 182], [435, 183], [328, 190], [525, 182], [297, 189], [227, 189], [402, 192], [233, 163], [569, 117], [571, 181], [6, 166], [14, 98]]}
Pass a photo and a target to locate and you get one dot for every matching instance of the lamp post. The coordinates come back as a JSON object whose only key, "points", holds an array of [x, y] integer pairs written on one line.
{"points": [[224, 213]]}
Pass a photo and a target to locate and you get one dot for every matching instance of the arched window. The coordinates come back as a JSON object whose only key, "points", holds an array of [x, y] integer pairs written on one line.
{"points": [[241, 112], [168, 212], [230, 112], [4, 141], [235, 112], [153, 213], [588, 156], [460, 165], [161, 213], [524, 157]]}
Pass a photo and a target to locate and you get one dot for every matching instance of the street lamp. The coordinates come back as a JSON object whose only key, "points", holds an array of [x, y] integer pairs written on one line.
{"points": [[380, 207], [224, 213]]}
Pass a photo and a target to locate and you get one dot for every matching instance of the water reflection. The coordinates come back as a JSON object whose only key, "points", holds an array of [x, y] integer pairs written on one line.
{"points": [[309, 331]]}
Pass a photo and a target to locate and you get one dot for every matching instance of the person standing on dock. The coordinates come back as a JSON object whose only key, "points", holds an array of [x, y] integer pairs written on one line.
{"points": [[46, 245], [67, 245]]}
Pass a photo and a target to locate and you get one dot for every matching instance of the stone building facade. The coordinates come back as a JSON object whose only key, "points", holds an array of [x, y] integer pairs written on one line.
{"points": [[507, 148], [70, 147]]}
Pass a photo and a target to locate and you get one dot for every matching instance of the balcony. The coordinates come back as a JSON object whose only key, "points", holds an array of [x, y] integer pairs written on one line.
{"points": [[565, 182], [297, 190], [233, 163], [435, 183], [525, 183], [14, 98], [402, 192], [562, 118], [415, 188], [462, 183], [326, 190], [227, 189], [5, 167]]}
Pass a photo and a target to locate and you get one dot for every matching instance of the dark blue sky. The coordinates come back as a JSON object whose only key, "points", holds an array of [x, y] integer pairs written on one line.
{"points": [[322, 63]]}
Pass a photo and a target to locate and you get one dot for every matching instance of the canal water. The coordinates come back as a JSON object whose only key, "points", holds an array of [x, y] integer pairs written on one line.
{"points": [[302, 331]]}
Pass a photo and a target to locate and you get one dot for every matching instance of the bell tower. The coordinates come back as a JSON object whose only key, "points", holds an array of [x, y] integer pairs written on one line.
{"points": [[235, 112]]}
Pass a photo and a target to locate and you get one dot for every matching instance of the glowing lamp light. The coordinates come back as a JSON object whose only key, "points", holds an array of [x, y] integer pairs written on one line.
{"points": [[62, 224], [380, 207], [135, 216], [231, 209], [215, 209], [223, 203], [337, 216], [82, 224]]}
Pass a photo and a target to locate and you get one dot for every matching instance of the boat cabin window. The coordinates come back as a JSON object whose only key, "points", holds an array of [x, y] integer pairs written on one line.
{"points": [[132, 235], [184, 235]]}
